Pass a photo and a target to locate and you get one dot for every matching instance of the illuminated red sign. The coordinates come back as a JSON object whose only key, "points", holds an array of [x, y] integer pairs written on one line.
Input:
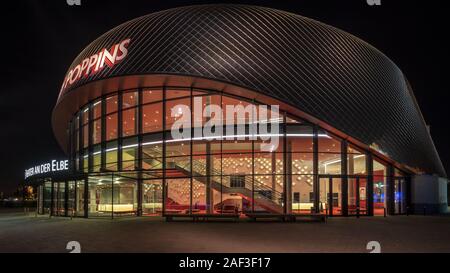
{"points": [[96, 62]]}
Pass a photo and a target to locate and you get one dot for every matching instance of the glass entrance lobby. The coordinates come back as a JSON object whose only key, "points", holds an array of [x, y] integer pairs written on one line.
{"points": [[132, 166]]}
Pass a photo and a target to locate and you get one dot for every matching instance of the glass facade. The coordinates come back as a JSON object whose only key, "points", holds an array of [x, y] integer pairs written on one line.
{"points": [[380, 189], [123, 145]]}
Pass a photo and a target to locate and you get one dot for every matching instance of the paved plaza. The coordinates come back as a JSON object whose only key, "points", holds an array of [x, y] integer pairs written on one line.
{"points": [[27, 233]]}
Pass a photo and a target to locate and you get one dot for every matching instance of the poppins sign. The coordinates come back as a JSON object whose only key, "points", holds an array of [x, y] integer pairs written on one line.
{"points": [[50, 167], [96, 62]]}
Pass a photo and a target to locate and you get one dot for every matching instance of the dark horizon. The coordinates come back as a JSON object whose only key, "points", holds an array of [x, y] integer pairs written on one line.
{"points": [[45, 37]]}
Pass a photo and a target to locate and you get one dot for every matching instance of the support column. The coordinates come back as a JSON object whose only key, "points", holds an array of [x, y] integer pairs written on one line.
{"points": [[52, 200], [90, 140], [285, 164], [164, 184], [191, 152], [80, 145], [119, 130], [103, 136], [86, 197], [407, 194], [369, 190], [209, 190], [71, 148], [289, 177], [316, 169], [209, 166], [75, 197], [139, 166], [66, 198], [274, 171], [344, 178], [390, 200]]}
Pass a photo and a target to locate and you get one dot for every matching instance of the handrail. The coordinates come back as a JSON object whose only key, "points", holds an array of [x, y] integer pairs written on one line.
{"points": [[200, 168]]}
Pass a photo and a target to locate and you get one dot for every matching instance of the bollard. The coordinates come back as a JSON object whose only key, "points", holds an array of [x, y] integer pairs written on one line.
{"points": [[385, 213], [357, 212]]}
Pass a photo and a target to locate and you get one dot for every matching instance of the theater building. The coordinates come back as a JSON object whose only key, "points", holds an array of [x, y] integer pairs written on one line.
{"points": [[352, 139]]}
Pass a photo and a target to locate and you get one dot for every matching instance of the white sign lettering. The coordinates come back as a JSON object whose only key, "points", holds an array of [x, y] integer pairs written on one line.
{"points": [[53, 166]]}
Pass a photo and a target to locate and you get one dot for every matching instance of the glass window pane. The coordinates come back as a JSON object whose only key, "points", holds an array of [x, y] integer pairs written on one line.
{"points": [[356, 164], [85, 160], [97, 158], [199, 204], [76, 140], [275, 144], [97, 131], [379, 188], [152, 151], [202, 102], [398, 172], [200, 147], [267, 163], [124, 196], [177, 93], [111, 126], [129, 122], [111, 155], [300, 138], [329, 163], [302, 163], [152, 117], [76, 121], [111, 104], [129, 153], [100, 195], [302, 194], [235, 109], [357, 195], [236, 146], [79, 207], [85, 115], [356, 161], [292, 120], [175, 110], [152, 197], [328, 143], [237, 164], [179, 148], [85, 135], [97, 109], [129, 99], [149, 95], [178, 195]]}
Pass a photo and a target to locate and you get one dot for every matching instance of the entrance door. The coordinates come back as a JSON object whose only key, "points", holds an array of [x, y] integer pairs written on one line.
{"points": [[330, 201], [400, 195], [357, 195], [59, 198], [152, 198]]}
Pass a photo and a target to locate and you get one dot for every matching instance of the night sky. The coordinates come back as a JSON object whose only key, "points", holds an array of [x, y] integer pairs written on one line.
{"points": [[42, 37]]}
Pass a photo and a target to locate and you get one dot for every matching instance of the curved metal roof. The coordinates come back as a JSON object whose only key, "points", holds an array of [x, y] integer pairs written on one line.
{"points": [[319, 69]]}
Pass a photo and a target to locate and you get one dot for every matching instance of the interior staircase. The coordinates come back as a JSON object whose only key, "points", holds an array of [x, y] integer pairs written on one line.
{"points": [[264, 196]]}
